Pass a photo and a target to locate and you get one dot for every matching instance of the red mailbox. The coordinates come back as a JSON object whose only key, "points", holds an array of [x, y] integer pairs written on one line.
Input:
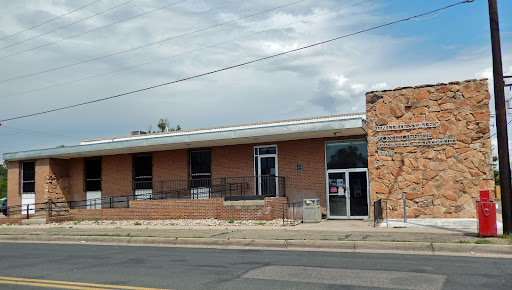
{"points": [[486, 216]]}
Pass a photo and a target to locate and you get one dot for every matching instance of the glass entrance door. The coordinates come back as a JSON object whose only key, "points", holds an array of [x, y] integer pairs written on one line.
{"points": [[347, 194], [337, 193], [265, 168], [358, 185]]}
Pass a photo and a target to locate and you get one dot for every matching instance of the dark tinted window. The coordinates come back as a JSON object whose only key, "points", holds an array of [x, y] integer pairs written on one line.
{"points": [[200, 168], [267, 150], [346, 154], [200, 164], [93, 174], [143, 171], [28, 171]]}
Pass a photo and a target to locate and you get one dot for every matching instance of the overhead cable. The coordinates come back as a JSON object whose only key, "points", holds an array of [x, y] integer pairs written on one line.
{"points": [[93, 30], [237, 65], [146, 45], [48, 21], [186, 52], [67, 25]]}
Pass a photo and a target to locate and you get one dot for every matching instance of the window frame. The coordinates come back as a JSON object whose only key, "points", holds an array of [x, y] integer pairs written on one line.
{"points": [[148, 182], [86, 179], [22, 178]]}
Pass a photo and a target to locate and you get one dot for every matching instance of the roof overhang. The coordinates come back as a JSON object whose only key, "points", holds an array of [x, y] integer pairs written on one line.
{"points": [[337, 126]]}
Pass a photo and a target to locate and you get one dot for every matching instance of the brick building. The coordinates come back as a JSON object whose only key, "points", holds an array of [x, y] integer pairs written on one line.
{"points": [[246, 165], [428, 145]]}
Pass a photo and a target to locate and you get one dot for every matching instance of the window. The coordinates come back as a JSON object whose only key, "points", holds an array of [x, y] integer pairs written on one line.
{"points": [[346, 154], [93, 174], [200, 168], [28, 177], [143, 171]]}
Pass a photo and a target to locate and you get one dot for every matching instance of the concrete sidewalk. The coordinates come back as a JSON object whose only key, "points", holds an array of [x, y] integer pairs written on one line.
{"points": [[452, 237]]}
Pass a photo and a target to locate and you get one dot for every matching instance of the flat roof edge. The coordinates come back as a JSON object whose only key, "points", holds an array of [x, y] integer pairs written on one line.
{"points": [[357, 121]]}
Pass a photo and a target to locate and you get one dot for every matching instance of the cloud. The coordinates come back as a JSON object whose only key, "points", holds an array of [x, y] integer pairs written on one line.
{"points": [[338, 94], [330, 78]]}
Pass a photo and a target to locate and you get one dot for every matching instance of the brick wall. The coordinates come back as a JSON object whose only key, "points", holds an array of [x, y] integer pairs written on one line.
{"points": [[76, 179], [42, 172], [227, 161], [13, 183], [117, 175], [269, 209], [310, 182], [235, 160], [170, 165]]}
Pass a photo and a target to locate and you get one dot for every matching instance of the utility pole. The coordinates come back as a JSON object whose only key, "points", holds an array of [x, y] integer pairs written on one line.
{"points": [[501, 118]]}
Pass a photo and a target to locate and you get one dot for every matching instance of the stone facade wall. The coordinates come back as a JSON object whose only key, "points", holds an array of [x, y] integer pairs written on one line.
{"points": [[57, 192], [439, 165]]}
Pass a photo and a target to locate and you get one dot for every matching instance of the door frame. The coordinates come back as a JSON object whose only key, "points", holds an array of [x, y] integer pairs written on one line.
{"points": [[347, 176], [258, 173]]}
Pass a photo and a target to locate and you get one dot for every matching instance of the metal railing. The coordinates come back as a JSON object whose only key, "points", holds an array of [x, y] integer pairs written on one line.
{"points": [[378, 211], [204, 188], [49, 208], [292, 213], [198, 188]]}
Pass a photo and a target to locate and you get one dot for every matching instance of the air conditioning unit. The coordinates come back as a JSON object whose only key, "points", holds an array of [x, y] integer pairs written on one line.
{"points": [[135, 133]]}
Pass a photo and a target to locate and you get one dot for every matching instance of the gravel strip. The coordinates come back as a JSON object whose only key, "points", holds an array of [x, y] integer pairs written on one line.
{"points": [[182, 222]]}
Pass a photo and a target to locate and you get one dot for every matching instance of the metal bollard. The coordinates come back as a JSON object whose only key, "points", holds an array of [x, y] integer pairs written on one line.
{"points": [[405, 211]]}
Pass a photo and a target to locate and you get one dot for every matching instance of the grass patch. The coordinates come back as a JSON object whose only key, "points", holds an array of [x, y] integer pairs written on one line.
{"points": [[231, 221], [7, 234], [137, 224], [76, 222], [508, 237], [483, 242], [261, 223]]}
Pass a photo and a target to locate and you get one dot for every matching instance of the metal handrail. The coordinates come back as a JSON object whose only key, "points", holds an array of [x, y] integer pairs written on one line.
{"points": [[378, 215], [171, 189], [296, 212]]}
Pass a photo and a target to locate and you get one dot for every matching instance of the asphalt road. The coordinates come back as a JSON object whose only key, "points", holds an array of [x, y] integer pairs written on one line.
{"points": [[36, 266]]}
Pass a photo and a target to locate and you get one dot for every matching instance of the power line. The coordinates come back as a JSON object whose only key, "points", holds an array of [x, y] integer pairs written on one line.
{"points": [[237, 65], [146, 45], [96, 29], [47, 21], [67, 25], [39, 133], [187, 52]]}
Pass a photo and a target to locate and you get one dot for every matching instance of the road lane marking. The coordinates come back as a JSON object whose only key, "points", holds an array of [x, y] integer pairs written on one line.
{"points": [[352, 277], [46, 285], [67, 285]]}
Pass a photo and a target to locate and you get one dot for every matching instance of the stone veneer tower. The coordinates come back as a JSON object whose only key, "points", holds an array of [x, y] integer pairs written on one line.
{"points": [[438, 156]]}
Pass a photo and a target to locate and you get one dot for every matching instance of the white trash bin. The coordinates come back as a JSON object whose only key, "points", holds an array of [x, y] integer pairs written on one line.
{"points": [[311, 211]]}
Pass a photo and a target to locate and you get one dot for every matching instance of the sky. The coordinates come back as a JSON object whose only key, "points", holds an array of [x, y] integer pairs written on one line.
{"points": [[52, 58]]}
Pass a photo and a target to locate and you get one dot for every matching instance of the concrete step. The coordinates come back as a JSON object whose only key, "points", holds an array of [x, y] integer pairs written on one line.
{"points": [[34, 221]]}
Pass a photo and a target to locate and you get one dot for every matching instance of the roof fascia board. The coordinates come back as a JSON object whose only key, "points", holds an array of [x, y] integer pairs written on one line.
{"points": [[280, 129]]}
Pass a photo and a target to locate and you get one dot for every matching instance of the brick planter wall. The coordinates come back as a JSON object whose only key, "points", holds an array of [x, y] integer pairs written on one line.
{"points": [[440, 179], [268, 209]]}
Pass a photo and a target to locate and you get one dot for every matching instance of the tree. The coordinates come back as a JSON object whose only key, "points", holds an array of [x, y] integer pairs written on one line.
{"points": [[496, 171], [3, 180], [164, 126]]}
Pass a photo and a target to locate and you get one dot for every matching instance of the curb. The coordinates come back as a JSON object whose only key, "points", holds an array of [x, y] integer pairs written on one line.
{"points": [[416, 248]]}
